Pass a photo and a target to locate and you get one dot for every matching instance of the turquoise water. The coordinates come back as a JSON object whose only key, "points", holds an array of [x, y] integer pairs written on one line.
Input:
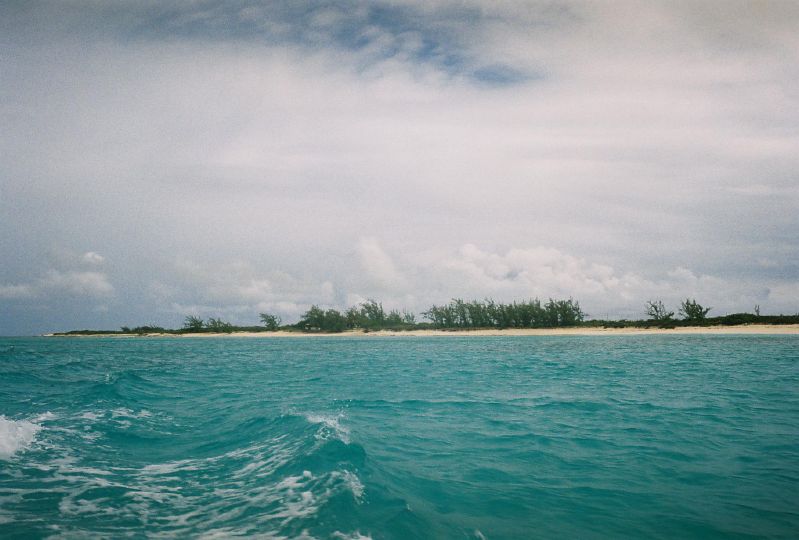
{"points": [[461, 437]]}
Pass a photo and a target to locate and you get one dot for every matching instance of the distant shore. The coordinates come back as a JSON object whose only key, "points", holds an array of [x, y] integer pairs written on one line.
{"points": [[753, 329]]}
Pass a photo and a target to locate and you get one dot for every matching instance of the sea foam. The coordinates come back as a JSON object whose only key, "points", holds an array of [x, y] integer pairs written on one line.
{"points": [[16, 435], [331, 427]]}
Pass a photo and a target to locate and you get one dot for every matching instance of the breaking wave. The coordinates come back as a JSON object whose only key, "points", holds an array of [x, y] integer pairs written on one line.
{"points": [[18, 435]]}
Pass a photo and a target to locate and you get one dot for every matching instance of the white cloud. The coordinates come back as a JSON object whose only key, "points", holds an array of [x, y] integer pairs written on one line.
{"points": [[289, 309], [543, 272], [91, 257], [378, 265], [471, 273], [327, 293], [536, 271], [86, 284], [10, 292], [93, 284], [238, 290]]}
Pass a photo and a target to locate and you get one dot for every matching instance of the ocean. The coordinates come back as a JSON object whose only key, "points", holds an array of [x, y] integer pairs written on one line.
{"points": [[400, 437]]}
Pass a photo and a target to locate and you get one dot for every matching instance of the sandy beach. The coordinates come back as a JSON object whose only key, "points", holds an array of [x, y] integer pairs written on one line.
{"points": [[749, 329]]}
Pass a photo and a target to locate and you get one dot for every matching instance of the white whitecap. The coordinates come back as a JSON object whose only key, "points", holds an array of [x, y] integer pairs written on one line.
{"points": [[43, 417], [351, 481], [124, 412], [171, 467], [331, 426], [16, 435], [351, 536]]}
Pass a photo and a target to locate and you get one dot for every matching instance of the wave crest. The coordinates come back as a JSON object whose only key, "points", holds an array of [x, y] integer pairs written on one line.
{"points": [[330, 427], [16, 435]]}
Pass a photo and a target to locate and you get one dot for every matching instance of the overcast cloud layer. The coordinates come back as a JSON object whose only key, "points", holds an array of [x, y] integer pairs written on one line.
{"points": [[165, 159]]}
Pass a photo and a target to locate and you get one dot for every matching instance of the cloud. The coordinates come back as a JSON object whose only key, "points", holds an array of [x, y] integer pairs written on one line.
{"points": [[378, 265], [548, 272], [78, 283], [545, 272], [56, 282], [469, 272], [235, 282], [369, 34], [539, 271], [238, 290], [93, 258], [16, 291]]}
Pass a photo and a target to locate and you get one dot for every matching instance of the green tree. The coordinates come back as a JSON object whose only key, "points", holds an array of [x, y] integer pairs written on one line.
{"points": [[218, 325], [393, 319], [353, 317], [327, 321], [334, 321], [313, 319], [657, 311], [691, 311], [194, 324], [372, 315], [488, 313], [271, 322]]}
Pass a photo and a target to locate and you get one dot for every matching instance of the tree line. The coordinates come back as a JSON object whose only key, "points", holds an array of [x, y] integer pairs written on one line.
{"points": [[460, 314], [690, 310], [368, 316], [490, 314]]}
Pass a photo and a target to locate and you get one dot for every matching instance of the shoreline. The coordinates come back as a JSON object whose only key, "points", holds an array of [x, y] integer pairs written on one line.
{"points": [[744, 329]]}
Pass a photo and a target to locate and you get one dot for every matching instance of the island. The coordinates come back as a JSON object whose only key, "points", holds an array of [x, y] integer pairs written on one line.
{"points": [[477, 317]]}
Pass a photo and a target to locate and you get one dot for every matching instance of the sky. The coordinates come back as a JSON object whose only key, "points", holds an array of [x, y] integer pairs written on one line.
{"points": [[165, 159]]}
